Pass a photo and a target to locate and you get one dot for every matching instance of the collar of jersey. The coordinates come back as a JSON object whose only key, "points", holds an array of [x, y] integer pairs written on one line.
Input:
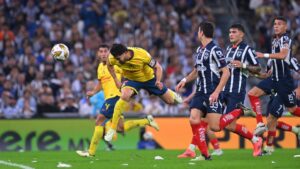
{"points": [[235, 46]]}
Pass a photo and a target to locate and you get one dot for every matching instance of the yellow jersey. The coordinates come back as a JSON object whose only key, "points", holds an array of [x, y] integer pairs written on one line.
{"points": [[107, 81], [137, 68]]}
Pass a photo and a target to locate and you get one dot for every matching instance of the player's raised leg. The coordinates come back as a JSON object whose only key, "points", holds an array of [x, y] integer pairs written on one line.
{"points": [[286, 127]]}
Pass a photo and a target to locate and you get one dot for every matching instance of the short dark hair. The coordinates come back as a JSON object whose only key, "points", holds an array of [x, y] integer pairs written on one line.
{"points": [[282, 18], [207, 28], [104, 46], [238, 26], [118, 49]]}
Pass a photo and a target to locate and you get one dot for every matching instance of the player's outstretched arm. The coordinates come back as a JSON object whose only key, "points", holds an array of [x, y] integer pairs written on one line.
{"points": [[96, 89], [111, 70], [281, 55], [190, 77], [158, 75]]}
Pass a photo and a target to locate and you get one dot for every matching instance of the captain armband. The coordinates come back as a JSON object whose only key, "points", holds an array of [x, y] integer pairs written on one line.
{"points": [[152, 63]]}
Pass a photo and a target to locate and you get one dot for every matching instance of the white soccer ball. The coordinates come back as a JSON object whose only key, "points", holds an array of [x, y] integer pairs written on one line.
{"points": [[60, 52]]}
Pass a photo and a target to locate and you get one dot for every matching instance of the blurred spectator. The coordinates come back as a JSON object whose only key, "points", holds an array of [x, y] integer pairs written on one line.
{"points": [[91, 106], [46, 102], [10, 109], [27, 104], [154, 107], [70, 104]]}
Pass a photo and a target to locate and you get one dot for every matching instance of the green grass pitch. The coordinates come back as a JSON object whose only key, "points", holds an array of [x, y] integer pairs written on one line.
{"points": [[144, 159]]}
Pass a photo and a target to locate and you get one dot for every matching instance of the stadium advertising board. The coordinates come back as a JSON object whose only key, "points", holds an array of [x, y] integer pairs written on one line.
{"points": [[175, 133], [54, 135], [73, 134]]}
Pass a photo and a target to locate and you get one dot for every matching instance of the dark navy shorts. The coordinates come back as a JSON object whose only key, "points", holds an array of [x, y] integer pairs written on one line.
{"points": [[148, 85], [108, 107], [266, 85], [201, 102], [284, 89], [230, 100], [275, 106]]}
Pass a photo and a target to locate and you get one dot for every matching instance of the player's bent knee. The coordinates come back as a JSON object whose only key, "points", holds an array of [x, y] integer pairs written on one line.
{"points": [[255, 91]]}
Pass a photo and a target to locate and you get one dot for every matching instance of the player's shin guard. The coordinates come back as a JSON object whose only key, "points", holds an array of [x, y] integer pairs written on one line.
{"points": [[296, 112], [98, 132], [284, 126], [270, 138], [255, 104], [128, 125], [228, 118], [119, 108]]}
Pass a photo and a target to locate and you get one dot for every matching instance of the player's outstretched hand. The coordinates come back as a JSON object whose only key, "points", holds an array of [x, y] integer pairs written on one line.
{"points": [[259, 55], [159, 85], [179, 86]]}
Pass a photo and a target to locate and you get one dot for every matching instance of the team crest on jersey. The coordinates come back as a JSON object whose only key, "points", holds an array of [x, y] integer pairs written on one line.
{"points": [[206, 55], [238, 54]]}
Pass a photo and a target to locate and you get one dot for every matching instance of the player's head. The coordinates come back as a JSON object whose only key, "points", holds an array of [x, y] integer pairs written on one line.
{"points": [[120, 52], [280, 25], [103, 52], [206, 29], [236, 33]]}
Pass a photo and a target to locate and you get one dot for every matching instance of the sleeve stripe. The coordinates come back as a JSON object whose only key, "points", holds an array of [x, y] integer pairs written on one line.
{"points": [[295, 65], [252, 56], [215, 56]]}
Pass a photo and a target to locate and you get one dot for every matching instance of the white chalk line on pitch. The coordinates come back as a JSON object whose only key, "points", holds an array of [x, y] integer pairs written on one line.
{"points": [[15, 165]]}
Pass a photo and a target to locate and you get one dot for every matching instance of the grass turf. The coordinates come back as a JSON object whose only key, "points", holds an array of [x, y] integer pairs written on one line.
{"points": [[144, 159]]}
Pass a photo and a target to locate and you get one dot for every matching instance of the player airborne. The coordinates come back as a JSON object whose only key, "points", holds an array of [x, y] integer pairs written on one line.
{"points": [[112, 95], [140, 71]]}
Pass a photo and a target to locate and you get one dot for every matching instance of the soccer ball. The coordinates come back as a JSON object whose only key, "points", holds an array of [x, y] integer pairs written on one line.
{"points": [[60, 52]]}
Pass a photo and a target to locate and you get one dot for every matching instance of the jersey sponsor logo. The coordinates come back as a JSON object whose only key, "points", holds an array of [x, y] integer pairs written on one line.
{"points": [[238, 54]]}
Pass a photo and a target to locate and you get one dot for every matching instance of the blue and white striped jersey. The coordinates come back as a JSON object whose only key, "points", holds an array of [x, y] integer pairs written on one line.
{"points": [[238, 77], [281, 68], [208, 62]]}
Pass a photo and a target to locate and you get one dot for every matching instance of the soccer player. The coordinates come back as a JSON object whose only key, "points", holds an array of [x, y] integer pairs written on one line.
{"points": [[141, 71], [210, 61], [112, 95], [190, 152], [281, 81], [275, 110]]}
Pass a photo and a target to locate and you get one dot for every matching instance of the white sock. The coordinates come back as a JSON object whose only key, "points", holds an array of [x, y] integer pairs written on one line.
{"points": [[254, 139], [295, 130], [192, 147]]}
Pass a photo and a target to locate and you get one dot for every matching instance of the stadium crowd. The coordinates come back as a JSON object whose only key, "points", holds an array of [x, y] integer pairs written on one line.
{"points": [[31, 83]]}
